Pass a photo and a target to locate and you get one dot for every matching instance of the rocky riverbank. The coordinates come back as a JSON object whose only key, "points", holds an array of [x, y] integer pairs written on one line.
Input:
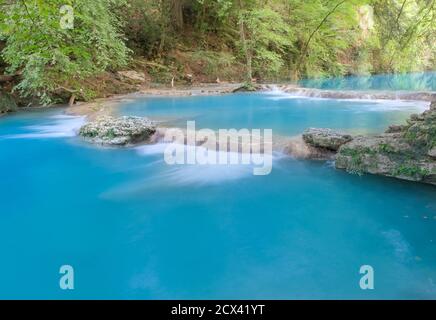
{"points": [[108, 106], [405, 152]]}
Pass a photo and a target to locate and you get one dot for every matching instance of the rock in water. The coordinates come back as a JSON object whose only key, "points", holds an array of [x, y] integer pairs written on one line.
{"points": [[325, 138], [317, 144], [122, 131], [299, 149], [406, 152]]}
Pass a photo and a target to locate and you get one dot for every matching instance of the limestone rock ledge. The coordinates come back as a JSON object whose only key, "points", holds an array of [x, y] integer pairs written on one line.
{"points": [[107, 130], [317, 144], [326, 138], [405, 152]]}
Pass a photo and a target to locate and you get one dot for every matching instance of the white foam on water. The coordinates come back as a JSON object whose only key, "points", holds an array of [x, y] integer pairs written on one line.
{"points": [[59, 126], [186, 174], [152, 149], [278, 94], [165, 176], [288, 96], [380, 105], [361, 105], [206, 174], [393, 105], [276, 91]]}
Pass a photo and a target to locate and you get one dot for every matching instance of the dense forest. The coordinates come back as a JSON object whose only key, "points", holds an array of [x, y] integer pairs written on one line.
{"points": [[54, 49]]}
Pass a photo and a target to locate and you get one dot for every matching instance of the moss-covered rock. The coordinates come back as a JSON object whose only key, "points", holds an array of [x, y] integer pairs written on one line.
{"points": [[248, 87], [405, 152]]}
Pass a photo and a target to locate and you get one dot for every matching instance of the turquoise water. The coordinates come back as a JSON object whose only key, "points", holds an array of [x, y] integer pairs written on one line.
{"points": [[285, 114], [134, 227], [420, 81]]}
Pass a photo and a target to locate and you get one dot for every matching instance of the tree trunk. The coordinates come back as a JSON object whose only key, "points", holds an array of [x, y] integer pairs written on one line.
{"points": [[72, 100], [177, 13], [247, 51]]}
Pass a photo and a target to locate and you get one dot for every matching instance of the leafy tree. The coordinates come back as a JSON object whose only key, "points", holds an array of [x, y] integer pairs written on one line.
{"points": [[272, 39], [406, 31], [146, 26], [55, 60], [325, 31], [264, 38]]}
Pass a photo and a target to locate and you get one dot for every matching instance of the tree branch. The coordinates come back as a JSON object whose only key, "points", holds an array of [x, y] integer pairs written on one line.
{"points": [[306, 45]]}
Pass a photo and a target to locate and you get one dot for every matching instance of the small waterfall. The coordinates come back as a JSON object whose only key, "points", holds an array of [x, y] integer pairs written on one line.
{"points": [[360, 95], [276, 90], [273, 89]]}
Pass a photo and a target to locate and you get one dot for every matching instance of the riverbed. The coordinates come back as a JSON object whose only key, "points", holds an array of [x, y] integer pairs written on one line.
{"points": [[134, 227]]}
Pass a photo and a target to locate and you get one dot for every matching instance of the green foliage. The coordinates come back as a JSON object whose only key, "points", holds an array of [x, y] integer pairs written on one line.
{"points": [[212, 15], [146, 27], [265, 40], [386, 148], [214, 63], [360, 158], [407, 33], [410, 170], [53, 59], [272, 40], [325, 30]]}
